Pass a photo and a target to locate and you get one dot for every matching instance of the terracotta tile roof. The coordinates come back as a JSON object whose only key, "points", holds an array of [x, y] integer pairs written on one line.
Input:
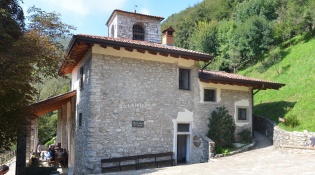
{"points": [[132, 13], [236, 79], [143, 43], [81, 43], [52, 103], [170, 28]]}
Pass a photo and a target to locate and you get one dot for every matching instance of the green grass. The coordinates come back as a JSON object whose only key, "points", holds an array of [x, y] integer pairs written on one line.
{"points": [[298, 96]]}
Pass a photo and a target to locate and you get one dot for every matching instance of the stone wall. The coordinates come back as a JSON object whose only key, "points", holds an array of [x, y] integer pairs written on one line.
{"points": [[264, 126], [119, 90], [83, 107], [293, 142], [286, 138], [151, 26], [126, 90], [202, 148]]}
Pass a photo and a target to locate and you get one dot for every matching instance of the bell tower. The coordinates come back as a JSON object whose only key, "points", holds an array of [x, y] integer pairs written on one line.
{"points": [[135, 26]]}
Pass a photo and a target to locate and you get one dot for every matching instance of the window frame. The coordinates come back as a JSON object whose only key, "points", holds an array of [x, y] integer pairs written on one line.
{"points": [[210, 89], [238, 113], [138, 32], [184, 81], [112, 31], [81, 83], [80, 120]]}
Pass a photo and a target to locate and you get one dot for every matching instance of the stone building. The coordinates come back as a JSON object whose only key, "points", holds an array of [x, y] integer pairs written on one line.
{"points": [[133, 94]]}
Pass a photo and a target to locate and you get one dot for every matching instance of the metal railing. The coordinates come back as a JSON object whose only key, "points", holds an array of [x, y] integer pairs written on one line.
{"points": [[7, 156]]}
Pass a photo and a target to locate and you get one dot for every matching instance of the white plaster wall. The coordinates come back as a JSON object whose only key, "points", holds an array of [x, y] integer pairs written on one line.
{"points": [[143, 56], [242, 103], [218, 88]]}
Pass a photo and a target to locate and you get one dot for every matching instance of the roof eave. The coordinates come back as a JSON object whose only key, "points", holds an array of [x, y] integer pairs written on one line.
{"points": [[203, 57], [263, 85]]}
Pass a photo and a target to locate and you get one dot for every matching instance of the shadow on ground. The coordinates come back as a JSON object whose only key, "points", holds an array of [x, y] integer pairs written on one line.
{"points": [[274, 109]]}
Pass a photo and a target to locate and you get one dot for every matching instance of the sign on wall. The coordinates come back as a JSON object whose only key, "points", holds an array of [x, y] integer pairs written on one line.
{"points": [[138, 124], [197, 141]]}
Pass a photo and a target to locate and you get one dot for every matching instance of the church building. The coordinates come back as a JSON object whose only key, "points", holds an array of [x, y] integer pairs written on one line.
{"points": [[135, 93]]}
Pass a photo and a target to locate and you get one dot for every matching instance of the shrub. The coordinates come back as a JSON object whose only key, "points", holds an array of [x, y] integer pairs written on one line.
{"points": [[291, 121], [245, 136], [50, 142], [220, 150], [221, 128]]}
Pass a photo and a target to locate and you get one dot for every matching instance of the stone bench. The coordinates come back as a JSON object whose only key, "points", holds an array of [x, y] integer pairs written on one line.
{"points": [[136, 162]]}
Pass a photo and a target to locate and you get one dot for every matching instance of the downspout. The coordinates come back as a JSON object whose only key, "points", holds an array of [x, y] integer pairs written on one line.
{"points": [[253, 112], [206, 65]]}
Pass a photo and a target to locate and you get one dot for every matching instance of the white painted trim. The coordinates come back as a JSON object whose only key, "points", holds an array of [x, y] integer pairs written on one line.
{"points": [[185, 117]]}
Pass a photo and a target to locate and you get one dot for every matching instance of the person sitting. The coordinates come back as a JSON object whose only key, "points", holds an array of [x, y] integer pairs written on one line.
{"points": [[50, 156], [34, 160]]}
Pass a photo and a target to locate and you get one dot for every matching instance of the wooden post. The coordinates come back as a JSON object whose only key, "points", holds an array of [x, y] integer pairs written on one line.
{"points": [[21, 149]]}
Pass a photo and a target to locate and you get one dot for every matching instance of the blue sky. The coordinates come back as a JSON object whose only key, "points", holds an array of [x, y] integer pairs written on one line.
{"points": [[90, 16]]}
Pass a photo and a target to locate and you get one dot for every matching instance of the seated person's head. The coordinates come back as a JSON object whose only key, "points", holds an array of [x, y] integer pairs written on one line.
{"points": [[4, 169]]}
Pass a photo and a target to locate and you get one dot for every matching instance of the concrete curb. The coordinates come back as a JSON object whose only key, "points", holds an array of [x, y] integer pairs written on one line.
{"points": [[242, 149]]}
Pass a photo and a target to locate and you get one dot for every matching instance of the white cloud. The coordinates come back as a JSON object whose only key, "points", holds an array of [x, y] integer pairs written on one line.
{"points": [[144, 11], [80, 8]]}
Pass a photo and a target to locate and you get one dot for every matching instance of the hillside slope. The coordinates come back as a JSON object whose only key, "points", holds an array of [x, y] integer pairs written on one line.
{"points": [[298, 96]]}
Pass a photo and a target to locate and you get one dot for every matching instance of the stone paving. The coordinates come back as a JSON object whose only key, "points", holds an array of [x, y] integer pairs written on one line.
{"points": [[264, 159]]}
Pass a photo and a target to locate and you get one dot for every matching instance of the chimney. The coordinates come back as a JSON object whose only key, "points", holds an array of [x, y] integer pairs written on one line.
{"points": [[168, 36]]}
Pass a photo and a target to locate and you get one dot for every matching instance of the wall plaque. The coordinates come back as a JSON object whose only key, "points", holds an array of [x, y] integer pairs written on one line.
{"points": [[138, 124], [196, 141]]}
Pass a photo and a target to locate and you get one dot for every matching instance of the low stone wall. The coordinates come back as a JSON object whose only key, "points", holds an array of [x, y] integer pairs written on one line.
{"points": [[264, 126], [209, 148], [294, 138], [293, 142], [290, 142]]}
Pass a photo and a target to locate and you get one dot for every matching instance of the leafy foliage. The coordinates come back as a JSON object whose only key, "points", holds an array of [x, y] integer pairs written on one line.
{"points": [[221, 128], [47, 127], [298, 73], [245, 136], [50, 142], [25, 52], [239, 33], [272, 60], [291, 121]]}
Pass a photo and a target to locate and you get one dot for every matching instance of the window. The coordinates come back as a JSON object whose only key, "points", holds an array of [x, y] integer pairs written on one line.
{"points": [[184, 79], [182, 127], [138, 32], [80, 119], [209, 95], [169, 33], [242, 114], [81, 77], [112, 31]]}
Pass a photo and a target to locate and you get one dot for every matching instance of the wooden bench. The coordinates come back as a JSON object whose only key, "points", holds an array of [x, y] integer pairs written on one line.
{"points": [[137, 162]]}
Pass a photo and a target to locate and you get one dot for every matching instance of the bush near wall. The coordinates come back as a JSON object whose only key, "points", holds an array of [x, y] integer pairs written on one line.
{"points": [[221, 128]]}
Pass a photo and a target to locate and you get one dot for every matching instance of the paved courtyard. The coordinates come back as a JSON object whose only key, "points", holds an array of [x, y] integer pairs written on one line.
{"points": [[264, 160]]}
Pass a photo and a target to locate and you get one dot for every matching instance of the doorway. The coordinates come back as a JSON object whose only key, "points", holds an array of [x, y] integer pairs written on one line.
{"points": [[182, 149]]}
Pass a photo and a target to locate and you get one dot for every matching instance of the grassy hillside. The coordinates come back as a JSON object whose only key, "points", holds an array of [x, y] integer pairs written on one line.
{"points": [[298, 96]]}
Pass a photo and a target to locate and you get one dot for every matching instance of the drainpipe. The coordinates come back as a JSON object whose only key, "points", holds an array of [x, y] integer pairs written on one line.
{"points": [[252, 91], [262, 87], [206, 65]]}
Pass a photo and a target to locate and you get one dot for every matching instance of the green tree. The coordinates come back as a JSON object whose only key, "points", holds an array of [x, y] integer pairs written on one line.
{"points": [[253, 38], [47, 127], [265, 8], [204, 39], [221, 127], [12, 99], [26, 53]]}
